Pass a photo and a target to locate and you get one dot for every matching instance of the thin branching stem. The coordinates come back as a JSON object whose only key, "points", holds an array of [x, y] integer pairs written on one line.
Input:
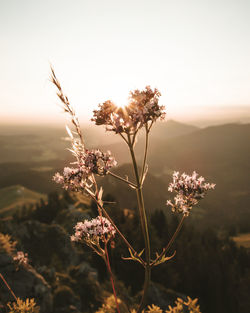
{"points": [[144, 225], [7, 285], [134, 137], [122, 179], [117, 230], [100, 253], [145, 154], [150, 126], [124, 138], [110, 274], [168, 246]]}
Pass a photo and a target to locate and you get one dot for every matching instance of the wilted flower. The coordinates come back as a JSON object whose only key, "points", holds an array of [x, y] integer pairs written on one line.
{"points": [[97, 229], [142, 108], [21, 258], [91, 162], [189, 189]]}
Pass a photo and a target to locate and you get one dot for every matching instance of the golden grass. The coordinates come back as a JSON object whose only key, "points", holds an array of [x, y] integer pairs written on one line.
{"points": [[243, 240]]}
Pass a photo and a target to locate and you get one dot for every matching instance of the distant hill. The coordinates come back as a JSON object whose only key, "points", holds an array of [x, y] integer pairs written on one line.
{"points": [[155, 189], [220, 153], [221, 145], [219, 115], [14, 197], [171, 129], [161, 132], [30, 175], [20, 144], [38, 144]]}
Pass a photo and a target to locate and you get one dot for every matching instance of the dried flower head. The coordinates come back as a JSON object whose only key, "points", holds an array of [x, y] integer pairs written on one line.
{"points": [[88, 163], [153, 309], [189, 189], [6, 244], [21, 306], [181, 306], [94, 230], [109, 305], [143, 107]]}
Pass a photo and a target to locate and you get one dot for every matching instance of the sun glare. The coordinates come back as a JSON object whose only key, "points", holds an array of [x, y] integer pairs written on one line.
{"points": [[121, 100], [122, 105]]}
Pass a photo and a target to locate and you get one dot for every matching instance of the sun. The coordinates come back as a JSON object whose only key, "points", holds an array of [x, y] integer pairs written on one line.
{"points": [[121, 99], [122, 105]]}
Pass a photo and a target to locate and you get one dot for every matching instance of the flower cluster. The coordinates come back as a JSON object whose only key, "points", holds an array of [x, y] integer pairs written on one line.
{"points": [[189, 189], [97, 229], [91, 162], [143, 107], [21, 258], [99, 162]]}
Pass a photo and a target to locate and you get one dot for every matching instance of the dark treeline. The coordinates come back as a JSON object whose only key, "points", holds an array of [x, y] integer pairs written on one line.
{"points": [[207, 265]]}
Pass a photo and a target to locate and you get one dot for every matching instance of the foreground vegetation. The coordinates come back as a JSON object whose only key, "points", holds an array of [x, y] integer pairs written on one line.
{"points": [[200, 268]]}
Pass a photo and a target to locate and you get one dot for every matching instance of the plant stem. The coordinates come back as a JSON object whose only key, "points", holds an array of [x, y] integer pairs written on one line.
{"points": [[171, 241], [134, 137], [145, 155], [123, 138], [111, 275], [117, 229], [122, 179], [7, 285], [144, 225]]}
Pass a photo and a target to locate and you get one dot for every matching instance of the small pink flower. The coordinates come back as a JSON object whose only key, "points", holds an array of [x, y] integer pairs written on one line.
{"points": [[21, 258], [88, 163], [189, 189], [95, 229]]}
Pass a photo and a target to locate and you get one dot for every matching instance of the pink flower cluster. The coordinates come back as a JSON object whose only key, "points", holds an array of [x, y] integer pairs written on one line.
{"points": [[143, 107], [98, 228], [21, 258], [99, 162], [90, 162], [189, 189]]}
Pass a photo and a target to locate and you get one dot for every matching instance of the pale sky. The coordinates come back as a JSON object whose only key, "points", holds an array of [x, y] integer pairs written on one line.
{"points": [[196, 52]]}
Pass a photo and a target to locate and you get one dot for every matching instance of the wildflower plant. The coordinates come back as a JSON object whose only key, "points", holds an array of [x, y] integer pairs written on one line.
{"points": [[141, 113]]}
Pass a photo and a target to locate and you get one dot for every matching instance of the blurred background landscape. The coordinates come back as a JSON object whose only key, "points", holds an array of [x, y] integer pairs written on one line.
{"points": [[212, 250], [197, 54]]}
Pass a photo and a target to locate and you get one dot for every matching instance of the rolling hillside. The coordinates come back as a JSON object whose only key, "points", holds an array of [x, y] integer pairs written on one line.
{"points": [[14, 197], [220, 153]]}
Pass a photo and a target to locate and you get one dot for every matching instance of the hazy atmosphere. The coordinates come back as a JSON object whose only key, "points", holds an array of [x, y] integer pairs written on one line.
{"points": [[141, 205], [195, 52]]}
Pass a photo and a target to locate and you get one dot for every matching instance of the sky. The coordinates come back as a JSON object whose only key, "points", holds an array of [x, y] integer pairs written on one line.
{"points": [[196, 52]]}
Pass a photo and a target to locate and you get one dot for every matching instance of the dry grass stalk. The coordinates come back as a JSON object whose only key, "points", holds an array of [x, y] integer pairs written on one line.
{"points": [[66, 105]]}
